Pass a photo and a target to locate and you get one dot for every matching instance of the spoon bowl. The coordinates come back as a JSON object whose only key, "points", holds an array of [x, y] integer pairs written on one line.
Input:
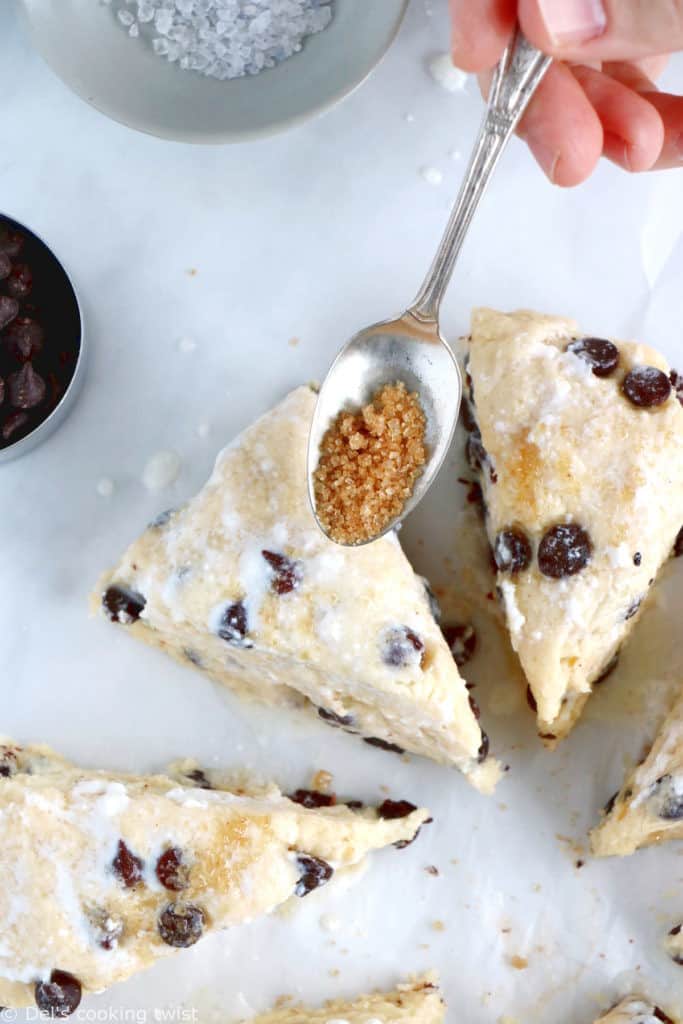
{"points": [[410, 350]]}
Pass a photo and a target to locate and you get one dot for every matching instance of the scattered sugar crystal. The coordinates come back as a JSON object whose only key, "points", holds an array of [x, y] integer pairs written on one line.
{"points": [[444, 72], [105, 487], [187, 344], [409, 118], [161, 470], [224, 38], [330, 923], [432, 175], [203, 428]]}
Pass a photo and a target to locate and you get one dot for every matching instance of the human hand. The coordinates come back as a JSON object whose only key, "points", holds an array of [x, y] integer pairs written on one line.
{"points": [[599, 98]]}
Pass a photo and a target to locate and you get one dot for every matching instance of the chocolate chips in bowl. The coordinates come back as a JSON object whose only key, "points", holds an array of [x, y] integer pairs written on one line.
{"points": [[41, 340]]}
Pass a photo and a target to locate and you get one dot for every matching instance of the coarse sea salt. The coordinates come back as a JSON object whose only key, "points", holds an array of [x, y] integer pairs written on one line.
{"points": [[223, 38]]}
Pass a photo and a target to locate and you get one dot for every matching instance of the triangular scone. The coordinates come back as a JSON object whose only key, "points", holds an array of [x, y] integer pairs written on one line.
{"points": [[418, 1002], [103, 873], [241, 583], [649, 807], [636, 1010], [577, 441]]}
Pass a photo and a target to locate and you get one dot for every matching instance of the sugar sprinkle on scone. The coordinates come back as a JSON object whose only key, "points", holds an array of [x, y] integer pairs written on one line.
{"points": [[417, 1002], [242, 584], [103, 873], [649, 806], [577, 443], [636, 1009]]}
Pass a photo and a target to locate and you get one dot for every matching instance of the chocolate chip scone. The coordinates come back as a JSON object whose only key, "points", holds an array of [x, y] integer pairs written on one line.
{"points": [[649, 806], [241, 583], [103, 873], [636, 1009], [418, 1002], [577, 443]]}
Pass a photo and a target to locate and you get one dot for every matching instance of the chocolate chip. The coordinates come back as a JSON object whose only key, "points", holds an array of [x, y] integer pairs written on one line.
{"points": [[286, 574], [401, 646], [474, 707], [512, 550], [468, 420], [197, 776], [8, 762], [312, 798], [314, 872], [14, 422], [181, 924], [25, 387], [677, 384], [162, 519], [20, 281], [11, 242], [475, 452], [60, 996], [633, 609], [390, 809], [483, 751], [123, 605], [233, 626], [392, 748], [678, 544], [106, 929], [676, 930], [333, 719], [637, 559], [192, 657], [127, 867], [660, 1015], [9, 308], [354, 805], [172, 871], [462, 641], [474, 496], [646, 387], [5, 266], [565, 550], [607, 670], [667, 799], [601, 355], [531, 700], [24, 338], [609, 806]]}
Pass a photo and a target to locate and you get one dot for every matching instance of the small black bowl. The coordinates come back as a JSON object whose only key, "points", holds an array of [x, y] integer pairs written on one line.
{"points": [[42, 347]]}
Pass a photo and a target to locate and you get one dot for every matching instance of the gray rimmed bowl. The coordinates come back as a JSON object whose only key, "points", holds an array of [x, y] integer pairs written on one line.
{"points": [[58, 311], [123, 78]]}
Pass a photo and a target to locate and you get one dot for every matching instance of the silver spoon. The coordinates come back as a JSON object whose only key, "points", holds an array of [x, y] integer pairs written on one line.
{"points": [[410, 348]]}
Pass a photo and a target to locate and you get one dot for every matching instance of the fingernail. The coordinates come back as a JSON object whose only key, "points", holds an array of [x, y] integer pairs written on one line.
{"points": [[547, 158], [573, 21]]}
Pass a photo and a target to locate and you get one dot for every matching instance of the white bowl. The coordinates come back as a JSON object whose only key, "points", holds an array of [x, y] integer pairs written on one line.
{"points": [[122, 77]]}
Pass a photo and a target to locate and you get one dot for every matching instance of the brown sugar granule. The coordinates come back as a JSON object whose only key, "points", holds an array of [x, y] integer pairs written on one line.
{"points": [[369, 461]]}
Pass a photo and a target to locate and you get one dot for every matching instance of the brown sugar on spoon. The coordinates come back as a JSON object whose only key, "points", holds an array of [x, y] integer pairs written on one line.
{"points": [[369, 461]]}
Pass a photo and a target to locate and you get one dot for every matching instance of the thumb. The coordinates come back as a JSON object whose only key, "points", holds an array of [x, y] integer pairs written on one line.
{"points": [[583, 30]]}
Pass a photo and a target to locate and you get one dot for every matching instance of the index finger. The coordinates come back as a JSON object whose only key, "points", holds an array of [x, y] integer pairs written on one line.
{"points": [[481, 31]]}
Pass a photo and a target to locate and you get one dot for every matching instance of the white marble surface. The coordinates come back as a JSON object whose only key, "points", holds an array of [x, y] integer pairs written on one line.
{"points": [[309, 235]]}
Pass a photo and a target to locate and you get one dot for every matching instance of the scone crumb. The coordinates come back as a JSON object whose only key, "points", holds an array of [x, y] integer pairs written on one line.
{"points": [[322, 781], [520, 963], [369, 461], [438, 926]]}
